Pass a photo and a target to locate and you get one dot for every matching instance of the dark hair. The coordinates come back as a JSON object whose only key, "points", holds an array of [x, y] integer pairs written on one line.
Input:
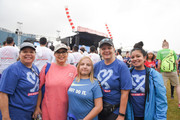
{"points": [[138, 46], [9, 40], [52, 47], [151, 58], [82, 49], [119, 51], [43, 41], [4, 43], [28, 40], [92, 48], [75, 48]]}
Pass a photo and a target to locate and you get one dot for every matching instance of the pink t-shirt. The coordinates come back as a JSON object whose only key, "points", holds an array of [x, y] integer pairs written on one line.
{"points": [[57, 82]]}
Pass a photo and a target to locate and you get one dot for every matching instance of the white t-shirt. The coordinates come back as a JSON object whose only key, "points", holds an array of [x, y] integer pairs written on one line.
{"points": [[77, 57], [8, 56], [119, 57], [70, 59], [94, 57], [43, 55]]}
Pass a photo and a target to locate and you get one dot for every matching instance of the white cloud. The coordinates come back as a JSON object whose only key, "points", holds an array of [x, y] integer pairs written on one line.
{"points": [[129, 21]]}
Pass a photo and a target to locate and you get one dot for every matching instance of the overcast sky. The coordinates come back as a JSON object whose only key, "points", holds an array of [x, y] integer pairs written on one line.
{"points": [[129, 21]]}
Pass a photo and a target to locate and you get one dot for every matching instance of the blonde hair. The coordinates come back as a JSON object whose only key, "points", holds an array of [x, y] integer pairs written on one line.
{"points": [[91, 74]]}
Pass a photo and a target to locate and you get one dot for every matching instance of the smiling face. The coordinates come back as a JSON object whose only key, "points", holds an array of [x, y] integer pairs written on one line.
{"points": [[61, 56], [137, 60], [85, 67], [27, 56], [107, 51]]}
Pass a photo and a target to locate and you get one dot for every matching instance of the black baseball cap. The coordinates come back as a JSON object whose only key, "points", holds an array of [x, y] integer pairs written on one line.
{"points": [[106, 41]]}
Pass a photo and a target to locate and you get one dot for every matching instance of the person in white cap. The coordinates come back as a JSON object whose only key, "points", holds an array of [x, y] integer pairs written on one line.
{"points": [[150, 60], [57, 81]]}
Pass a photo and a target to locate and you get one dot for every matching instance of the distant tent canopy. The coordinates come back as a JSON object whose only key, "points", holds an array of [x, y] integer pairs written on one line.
{"points": [[85, 37]]}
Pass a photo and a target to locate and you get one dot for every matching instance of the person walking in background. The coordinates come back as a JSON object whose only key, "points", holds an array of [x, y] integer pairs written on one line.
{"points": [[85, 96], [147, 100], [119, 56], [127, 59], [115, 80], [57, 82], [43, 54], [8, 54], [93, 55], [150, 60], [19, 86], [168, 66]]}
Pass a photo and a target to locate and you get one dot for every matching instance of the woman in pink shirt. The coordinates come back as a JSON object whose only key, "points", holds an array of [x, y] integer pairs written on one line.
{"points": [[57, 82]]}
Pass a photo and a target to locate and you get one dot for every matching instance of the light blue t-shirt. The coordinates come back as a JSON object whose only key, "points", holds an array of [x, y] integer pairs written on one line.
{"points": [[114, 78], [81, 97], [22, 86], [137, 94]]}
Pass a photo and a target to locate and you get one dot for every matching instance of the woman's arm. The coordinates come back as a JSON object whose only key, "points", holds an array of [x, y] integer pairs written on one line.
{"points": [[4, 106], [38, 109], [123, 103], [96, 110]]}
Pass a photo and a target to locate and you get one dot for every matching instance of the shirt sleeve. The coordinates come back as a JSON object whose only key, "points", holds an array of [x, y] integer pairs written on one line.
{"points": [[42, 76], [158, 56], [9, 80], [97, 93], [161, 99], [125, 77]]}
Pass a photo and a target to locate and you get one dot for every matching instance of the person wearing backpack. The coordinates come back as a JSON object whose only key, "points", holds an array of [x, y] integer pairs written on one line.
{"points": [[168, 67], [147, 99]]}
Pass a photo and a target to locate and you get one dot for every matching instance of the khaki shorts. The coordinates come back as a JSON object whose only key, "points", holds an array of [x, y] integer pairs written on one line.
{"points": [[172, 76]]}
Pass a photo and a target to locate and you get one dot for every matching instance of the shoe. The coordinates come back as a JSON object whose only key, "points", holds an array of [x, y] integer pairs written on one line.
{"points": [[179, 106]]}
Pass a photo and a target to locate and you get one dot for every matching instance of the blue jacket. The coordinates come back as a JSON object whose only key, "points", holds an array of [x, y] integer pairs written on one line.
{"points": [[156, 105]]}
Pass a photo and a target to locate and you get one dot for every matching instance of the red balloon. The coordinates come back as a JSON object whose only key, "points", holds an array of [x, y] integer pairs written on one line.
{"points": [[70, 20], [68, 16], [73, 27], [71, 23], [67, 12], [66, 8]]}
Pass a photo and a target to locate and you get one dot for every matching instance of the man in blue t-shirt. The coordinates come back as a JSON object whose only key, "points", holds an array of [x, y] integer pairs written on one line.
{"points": [[115, 80]]}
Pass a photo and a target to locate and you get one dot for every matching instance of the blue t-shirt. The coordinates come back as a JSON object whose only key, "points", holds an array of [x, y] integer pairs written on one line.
{"points": [[113, 78], [22, 86], [137, 94], [81, 97]]}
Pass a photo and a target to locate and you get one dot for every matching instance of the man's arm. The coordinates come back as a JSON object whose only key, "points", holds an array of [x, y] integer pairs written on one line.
{"points": [[159, 65], [177, 67], [4, 106], [123, 103]]}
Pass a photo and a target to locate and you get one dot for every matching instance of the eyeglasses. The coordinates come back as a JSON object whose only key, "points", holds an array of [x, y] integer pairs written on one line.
{"points": [[62, 52]]}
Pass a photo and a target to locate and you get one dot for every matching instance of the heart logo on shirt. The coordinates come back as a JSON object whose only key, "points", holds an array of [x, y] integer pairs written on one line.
{"points": [[103, 76]]}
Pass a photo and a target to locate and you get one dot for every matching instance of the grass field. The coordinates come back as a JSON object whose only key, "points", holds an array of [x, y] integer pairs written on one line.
{"points": [[173, 112]]}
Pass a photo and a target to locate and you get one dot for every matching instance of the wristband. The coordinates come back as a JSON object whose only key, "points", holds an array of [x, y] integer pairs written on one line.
{"points": [[121, 114]]}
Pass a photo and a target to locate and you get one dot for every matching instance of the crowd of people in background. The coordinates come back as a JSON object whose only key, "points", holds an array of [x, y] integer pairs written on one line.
{"points": [[57, 83]]}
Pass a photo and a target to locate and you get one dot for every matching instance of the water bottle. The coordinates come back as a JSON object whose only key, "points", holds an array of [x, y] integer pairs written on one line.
{"points": [[39, 117]]}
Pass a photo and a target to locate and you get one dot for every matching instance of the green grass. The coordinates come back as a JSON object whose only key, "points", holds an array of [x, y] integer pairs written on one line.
{"points": [[173, 112]]}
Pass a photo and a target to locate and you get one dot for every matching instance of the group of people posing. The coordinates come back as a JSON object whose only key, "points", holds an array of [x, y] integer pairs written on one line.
{"points": [[105, 90]]}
